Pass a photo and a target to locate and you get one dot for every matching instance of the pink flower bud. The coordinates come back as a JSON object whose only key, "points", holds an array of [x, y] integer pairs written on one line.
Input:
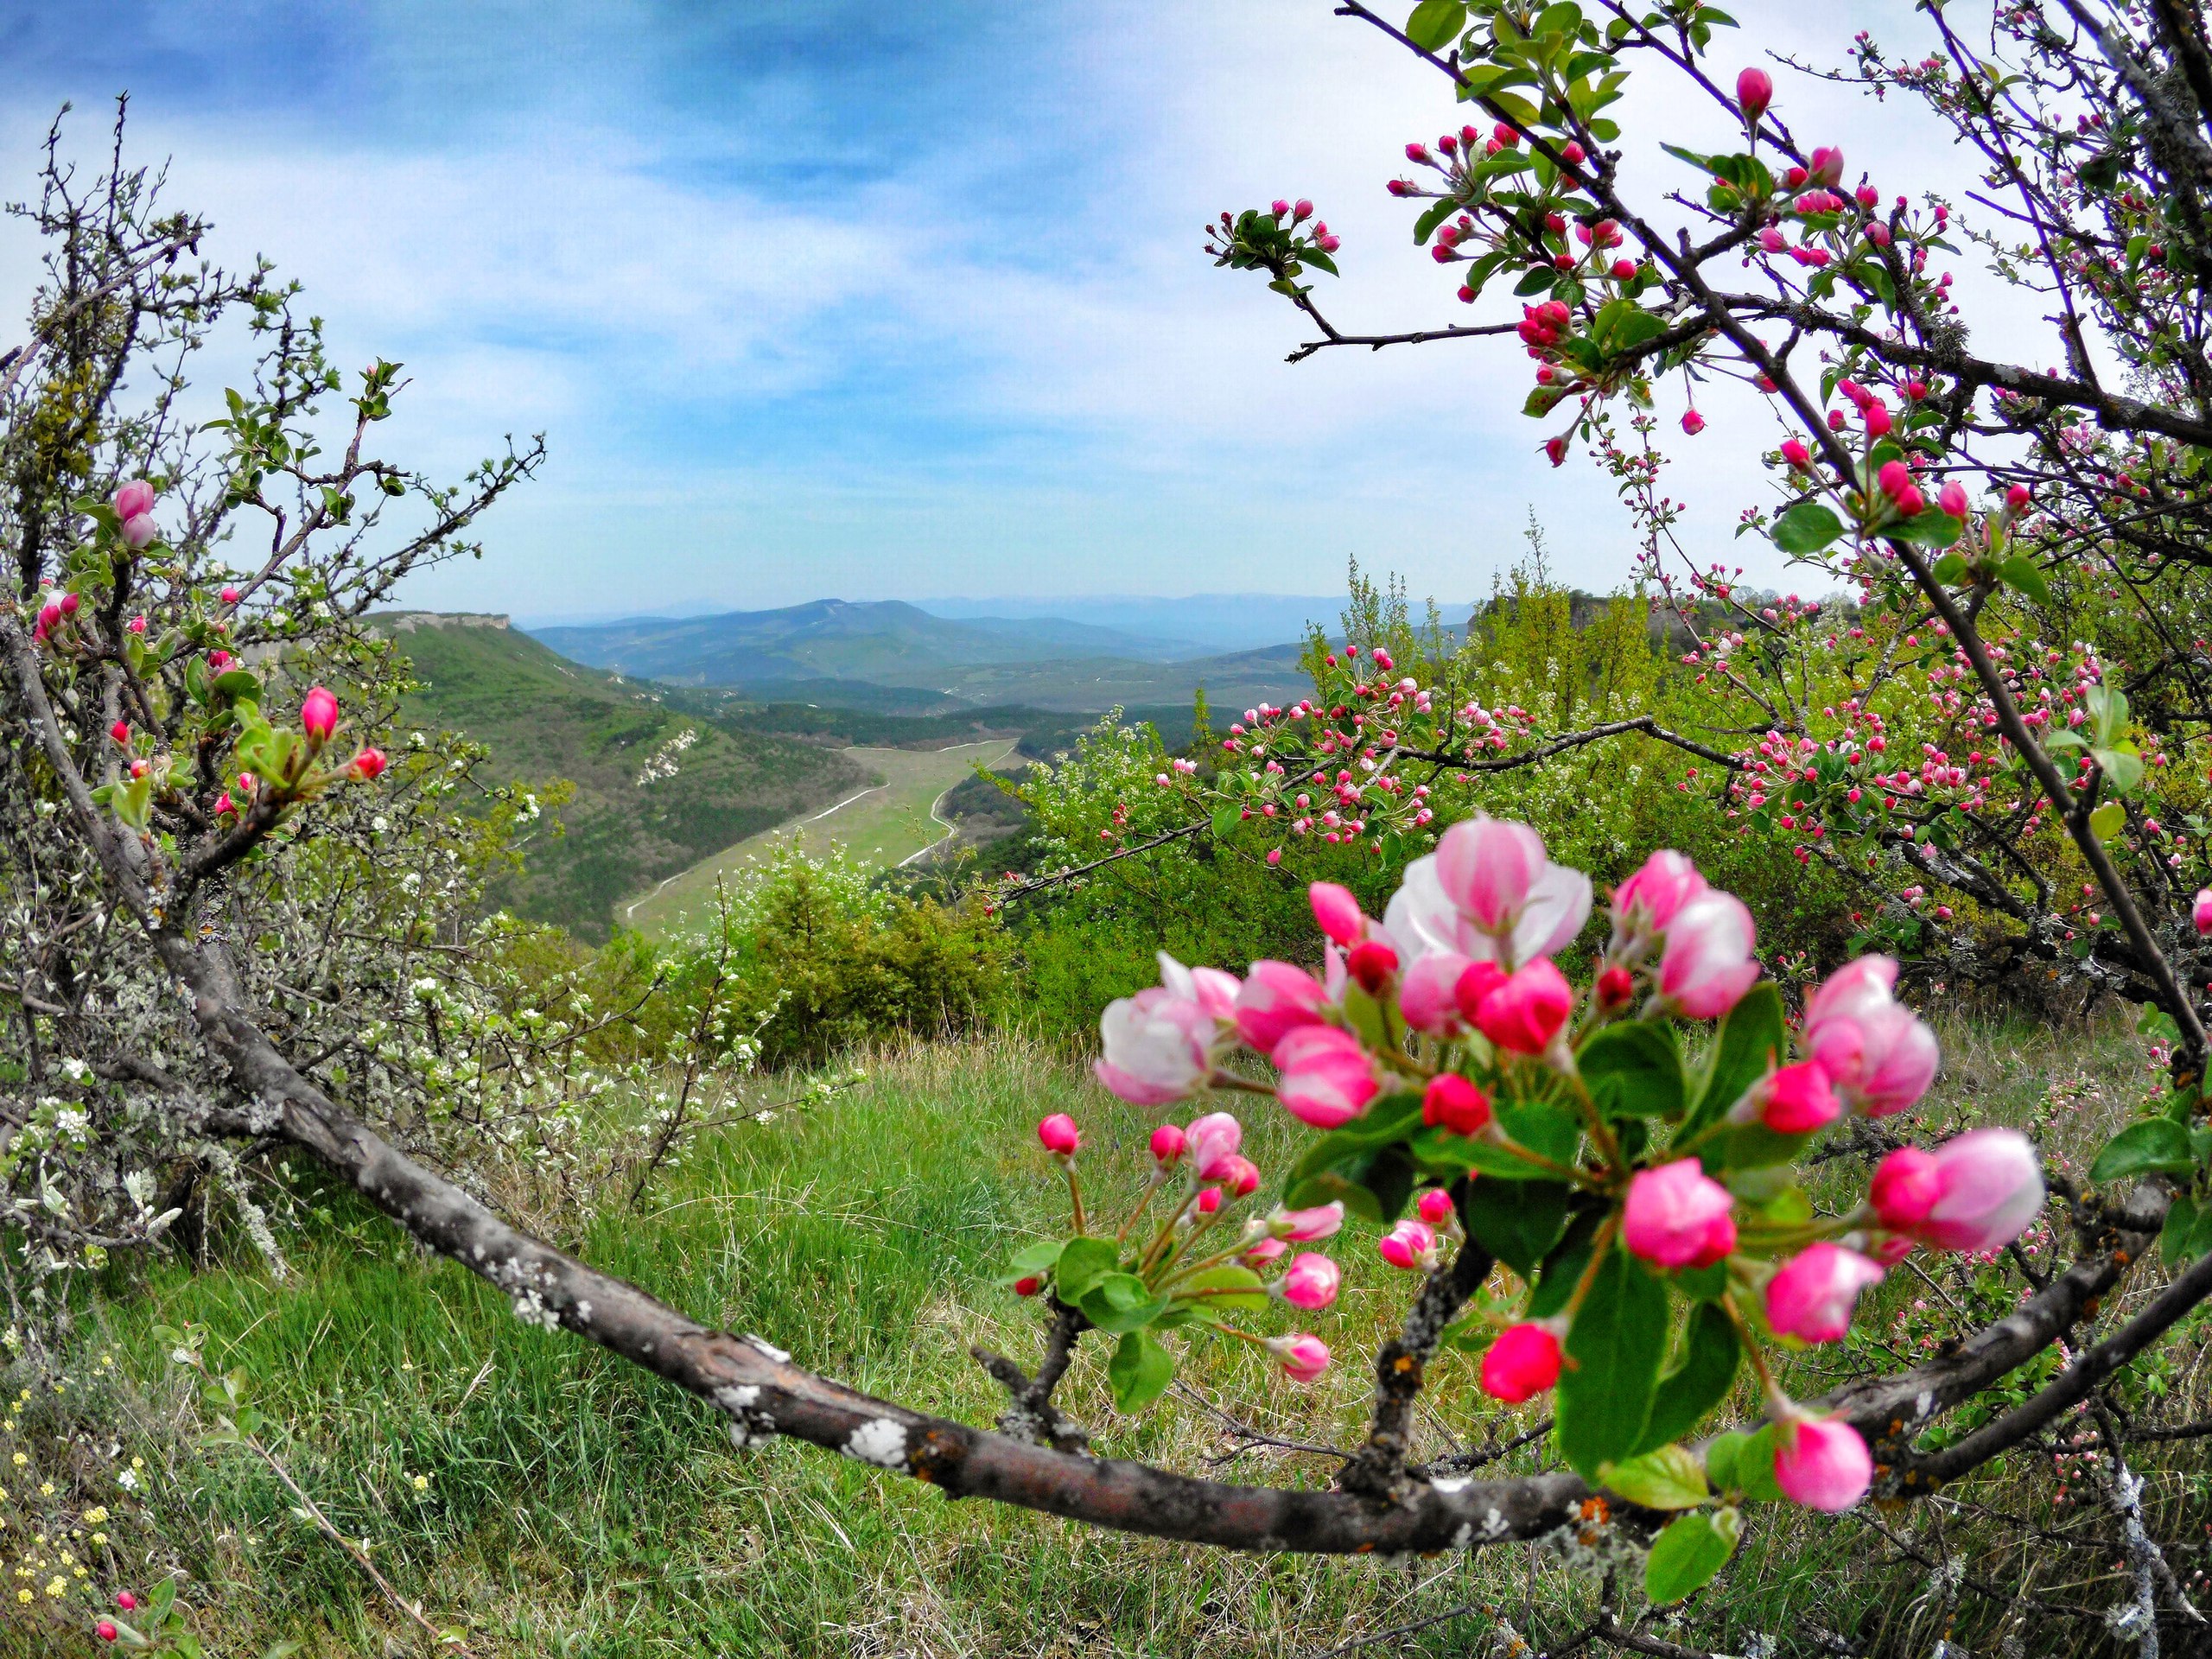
{"points": [[319, 715], [1372, 965], [1827, 165], [230, 595], [1238, 1175], [1276, 999], [1409, 1244], [1486, 867], [1417, 152], [1028, 1285], [223, 804], [49, 616], [1693, 423], [1795, 453], [1455, 1105], [1209, 1200], [136, 625], [134, 499], [1058, 1136], [1869, 197], [1336, 912], [367, 765], [69, 604], [1796, 178], [1823, 1464], [1311, 1281], [125, 1600], [2017, 497], [1974, 1193], [1279, 209], [1797, 1099], [1708, 964], [1895, 477], [1304, 1226], [1614, 987], [1772, 240], [1876, 413], [1814, 1294], [106, 1629], [1427, 995], [1523, 1014], [1263, 1252], [1157, 1046], [139, 532], [1522, 1363], [1301, 209], [1952, 498], [1754, 91], [120, 731], [1573, 153], [1624, 270], [1555, 448], [1326, 1078], [1677, 1217], [2201, 912], [1656, 893], [1877, 1054], [1212, 1140], [1167, 1143], [1435, 1207], [1302, 1357], [1878, 234]]}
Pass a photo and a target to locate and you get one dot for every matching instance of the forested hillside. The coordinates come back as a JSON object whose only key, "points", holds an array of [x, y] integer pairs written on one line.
{"points": [[655, 789]]}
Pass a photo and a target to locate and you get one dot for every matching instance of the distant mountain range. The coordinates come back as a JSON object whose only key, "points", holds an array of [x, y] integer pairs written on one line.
{"points": [[1047, 662]]}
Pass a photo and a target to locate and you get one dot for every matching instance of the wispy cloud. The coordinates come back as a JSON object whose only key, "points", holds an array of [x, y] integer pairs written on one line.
{"points": [[809, 303]]}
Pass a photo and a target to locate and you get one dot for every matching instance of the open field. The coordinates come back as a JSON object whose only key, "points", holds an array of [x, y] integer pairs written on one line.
{"points": [[575, 1507], [885, 823]]}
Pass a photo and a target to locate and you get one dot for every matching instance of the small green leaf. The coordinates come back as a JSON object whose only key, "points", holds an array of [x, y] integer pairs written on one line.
{"points": [[1749, 1041], [1438, 211], [1667, 1477], [238, 684], [2179, 1232], [1755, 1465], [2023, 574], [1613, 1352], [2107, 820], [1634, 1070], [1556, 1277], [1805, 527], [2158, 1146], [1517, 1222], [1931, 527], [1685, 1557], [1119, 1302], [1082, 1263], [1225, 820], [1436, 24], [1721, 1453], [1701, 1380], [1139, 1371], [1389, 1118], [1033, 1261], [1228, 1286]]}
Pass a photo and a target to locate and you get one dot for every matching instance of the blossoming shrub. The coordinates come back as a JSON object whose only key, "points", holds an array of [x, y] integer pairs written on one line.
{"points": [[1647, 1215]]}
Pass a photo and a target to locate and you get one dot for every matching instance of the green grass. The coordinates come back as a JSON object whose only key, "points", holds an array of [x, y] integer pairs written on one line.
{"points": [[887, 818], [544, 718], [578, 1508]]}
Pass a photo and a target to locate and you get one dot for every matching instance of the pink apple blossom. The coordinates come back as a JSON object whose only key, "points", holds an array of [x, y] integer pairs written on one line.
{"points": [[1058, 1136], [1435, 1207], [1156, 1047], [134, 499], [1310, 1281], [319, 715], [1823, 1464], [1878, 1052], [1167, 1142], [1707, 964], [1454, 1105], [1523, 1014], [2201, 912], [1325, 1078], [1302, 1357], [1754, 91], [1796, 1099], [1813, 1294], [1656, 893], [1304, 1226], [1974, 1193], [140, 532], [1276, 1000], [1338, 913], [1522, 1361], [1677, 1217], [1211, 1140], [1410, 1245], [1425, 994]]}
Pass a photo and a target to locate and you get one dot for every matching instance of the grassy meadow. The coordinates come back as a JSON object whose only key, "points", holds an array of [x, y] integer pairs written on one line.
{"points": [[882, 823], [571, 1506]]}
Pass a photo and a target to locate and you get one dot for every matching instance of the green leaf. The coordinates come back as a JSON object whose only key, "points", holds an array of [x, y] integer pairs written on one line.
{"points": [[1517, 1222], [2178, 1234], [2107, 820], [1634, 1070], [1806, 528], [1438, 211], [1390, 1119], [2023, 574], [1225, 819], [1700, 1382], [1685, 1557], [1721, 1453], [1755, 1465], [1750, 1039], [1375, 1185], [1033, 1261], [1613, 1352], [1232, 1287], [238, 684], [1667, 1477], [1950, 568], [1140, 1370], [1556, 1277], [1082, 1263], [1120, 1302], [1436, 24], [2123, 767], [1930, 527], [2157, 1145]]}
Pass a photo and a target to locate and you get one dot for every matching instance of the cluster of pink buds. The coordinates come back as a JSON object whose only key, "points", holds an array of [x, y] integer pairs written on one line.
{"points": [[1446, 1030]]}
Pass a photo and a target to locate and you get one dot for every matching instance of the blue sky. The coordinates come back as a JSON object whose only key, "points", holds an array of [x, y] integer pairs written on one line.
{"points": [[818, 299]]}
